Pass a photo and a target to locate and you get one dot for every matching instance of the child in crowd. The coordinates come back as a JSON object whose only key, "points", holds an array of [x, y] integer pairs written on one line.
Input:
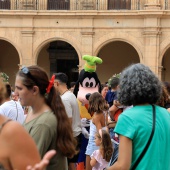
{"points": [[101, 157], [98, 107], [112, 93]]}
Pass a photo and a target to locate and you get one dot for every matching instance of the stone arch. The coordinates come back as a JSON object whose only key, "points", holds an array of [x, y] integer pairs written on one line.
{"points": [[48, 40], [124, 37], [164, 60], [164, 46], [15, 46]]}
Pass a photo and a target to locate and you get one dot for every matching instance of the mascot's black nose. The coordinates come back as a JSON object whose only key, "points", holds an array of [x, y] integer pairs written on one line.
{"points": [[88, 96]]}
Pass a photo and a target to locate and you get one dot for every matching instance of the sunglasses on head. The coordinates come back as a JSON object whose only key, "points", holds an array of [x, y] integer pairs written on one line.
{"points": [[26, 71]]}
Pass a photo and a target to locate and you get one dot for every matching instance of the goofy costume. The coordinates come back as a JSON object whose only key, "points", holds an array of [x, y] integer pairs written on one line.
{"points": [[87, 83]]}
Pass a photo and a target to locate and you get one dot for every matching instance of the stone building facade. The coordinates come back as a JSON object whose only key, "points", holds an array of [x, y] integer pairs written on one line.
{"points": [[56, 34]]}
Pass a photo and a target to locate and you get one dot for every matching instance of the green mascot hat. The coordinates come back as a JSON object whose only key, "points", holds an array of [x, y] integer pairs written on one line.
{"points": [[91, 61]]}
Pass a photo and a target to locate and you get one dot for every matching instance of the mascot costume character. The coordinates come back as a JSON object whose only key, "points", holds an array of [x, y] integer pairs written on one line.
{"points": [[86, 84]]}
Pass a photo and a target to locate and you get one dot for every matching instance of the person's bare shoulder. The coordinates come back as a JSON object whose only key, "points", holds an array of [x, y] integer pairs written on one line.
{"points": [[19, 144], [12, 130]]}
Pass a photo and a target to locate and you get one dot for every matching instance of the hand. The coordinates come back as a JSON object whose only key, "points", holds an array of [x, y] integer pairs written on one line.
{"points": [[116, 103], [85, 122], [85, 133], [44, 162]]}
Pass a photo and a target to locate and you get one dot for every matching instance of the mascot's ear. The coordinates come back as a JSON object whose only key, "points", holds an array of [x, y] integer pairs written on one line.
{"points": [[88, 96]]}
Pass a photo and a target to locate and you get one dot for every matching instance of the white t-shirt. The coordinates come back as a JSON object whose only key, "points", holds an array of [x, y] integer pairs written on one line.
{"points": [[72, 109], [10, 108]]}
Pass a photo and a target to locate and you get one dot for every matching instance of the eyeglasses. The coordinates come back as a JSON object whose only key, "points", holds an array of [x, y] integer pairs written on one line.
{"points": [[26, 71]]}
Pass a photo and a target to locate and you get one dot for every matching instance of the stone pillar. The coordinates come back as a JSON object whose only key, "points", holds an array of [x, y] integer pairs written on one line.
{"points": [[73, 5], [102, 5], [13, 4], [151, 35], [152, 4], [87, 44], [27, 48], [27, 34], [133, 4], [42, 4]]}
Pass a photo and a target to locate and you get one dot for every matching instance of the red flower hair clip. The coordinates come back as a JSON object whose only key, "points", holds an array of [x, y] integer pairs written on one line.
{"points": [[51, 83]]}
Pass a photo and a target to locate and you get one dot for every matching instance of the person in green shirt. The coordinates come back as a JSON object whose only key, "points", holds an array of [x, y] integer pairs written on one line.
{"points": [[47, 121], [140, 87]]}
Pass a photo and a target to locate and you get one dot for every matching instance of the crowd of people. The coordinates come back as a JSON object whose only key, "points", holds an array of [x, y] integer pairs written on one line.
{"points": [[130, 113]]}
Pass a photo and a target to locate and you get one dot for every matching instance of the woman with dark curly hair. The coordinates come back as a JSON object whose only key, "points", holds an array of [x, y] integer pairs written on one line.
{"points": [[141, 88]]}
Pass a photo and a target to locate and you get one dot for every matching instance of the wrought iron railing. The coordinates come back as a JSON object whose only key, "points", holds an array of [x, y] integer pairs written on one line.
{"points": [[76, 4], [118, 5]]}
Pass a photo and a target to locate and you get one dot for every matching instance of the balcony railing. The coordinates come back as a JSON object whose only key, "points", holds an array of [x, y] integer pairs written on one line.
{"points": [[76, 4], [117, 4]]}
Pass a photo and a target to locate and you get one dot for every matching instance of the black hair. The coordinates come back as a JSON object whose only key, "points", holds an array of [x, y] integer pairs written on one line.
{"points": [[114, 82], [8, 90], [138, 85], [72, 84], [62, 77]]}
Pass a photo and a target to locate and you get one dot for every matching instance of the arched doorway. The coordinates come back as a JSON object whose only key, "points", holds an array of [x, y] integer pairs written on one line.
{"points": [[116, 56], [60, 56], [165, 66], [9, 60]]}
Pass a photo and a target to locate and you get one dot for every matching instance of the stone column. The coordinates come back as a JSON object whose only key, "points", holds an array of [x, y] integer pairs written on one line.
{"points": [[102, 4], [27, 48], [27, 34], [152, 4], [87, 44], [42, 4], [73, 5], [133, 4], [151, 35], [13, 4]]}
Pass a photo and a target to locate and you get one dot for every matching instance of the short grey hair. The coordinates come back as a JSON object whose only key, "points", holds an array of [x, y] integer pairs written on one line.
{"points": [[139, 85]]}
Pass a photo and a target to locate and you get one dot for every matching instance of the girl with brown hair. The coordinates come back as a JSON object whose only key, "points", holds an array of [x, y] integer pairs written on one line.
{"points": [[98, 107], [101, 157], [47, 122], [17, 145]]}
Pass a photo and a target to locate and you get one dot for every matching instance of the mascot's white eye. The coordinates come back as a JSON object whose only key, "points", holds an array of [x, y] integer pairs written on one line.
{"points": [[86, 82], [92, 82], [89, 83]]}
